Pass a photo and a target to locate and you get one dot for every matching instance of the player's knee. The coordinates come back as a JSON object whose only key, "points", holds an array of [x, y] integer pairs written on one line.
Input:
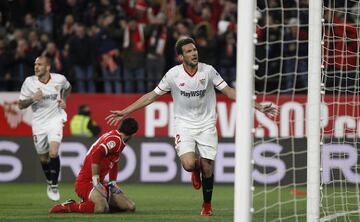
{"points": [[188, 166], [44, 158], [101, 208], [53, 154]]}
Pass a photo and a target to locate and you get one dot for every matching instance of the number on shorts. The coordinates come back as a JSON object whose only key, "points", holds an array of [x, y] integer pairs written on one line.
{"points": [[177, 139]]}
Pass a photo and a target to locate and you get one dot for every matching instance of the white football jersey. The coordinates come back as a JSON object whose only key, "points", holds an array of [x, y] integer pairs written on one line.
{"points": [[194, 96], [46, 110]]}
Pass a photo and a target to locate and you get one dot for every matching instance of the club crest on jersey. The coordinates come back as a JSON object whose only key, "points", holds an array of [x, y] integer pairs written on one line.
{"points": [[202, 81], [110, 144]]}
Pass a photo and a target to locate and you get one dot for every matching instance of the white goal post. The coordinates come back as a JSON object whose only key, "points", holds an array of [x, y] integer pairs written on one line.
{"points": [[313, 112], [244, 94], [304, 165]]}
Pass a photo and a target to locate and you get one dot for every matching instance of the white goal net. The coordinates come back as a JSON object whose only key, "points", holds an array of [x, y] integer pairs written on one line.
{"points": [[279, 154], [340, 176], [280, 146]]}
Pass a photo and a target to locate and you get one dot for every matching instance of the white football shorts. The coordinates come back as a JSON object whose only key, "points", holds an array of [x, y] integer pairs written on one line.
{"points": [[54, 133], [206, 142]]}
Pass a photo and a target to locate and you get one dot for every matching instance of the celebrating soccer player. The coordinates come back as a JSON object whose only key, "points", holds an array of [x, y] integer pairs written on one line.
{"points": [[192, 87], [46, 93], [102, 159]]}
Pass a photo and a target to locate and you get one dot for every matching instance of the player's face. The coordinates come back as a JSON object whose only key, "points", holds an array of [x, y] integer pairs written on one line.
{"points": [[41, 67], [190, 55]]}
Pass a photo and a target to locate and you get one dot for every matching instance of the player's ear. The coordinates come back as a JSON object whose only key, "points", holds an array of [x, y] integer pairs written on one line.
{"points": [[180, 58]]}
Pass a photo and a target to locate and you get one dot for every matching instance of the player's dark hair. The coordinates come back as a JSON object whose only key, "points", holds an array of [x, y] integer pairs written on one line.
{"points": [[181, 42], [129, 126]]}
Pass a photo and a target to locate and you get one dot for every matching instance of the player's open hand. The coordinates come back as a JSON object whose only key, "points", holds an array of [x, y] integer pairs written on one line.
{"points": [[115, 117], [271, 110], [37, 96], [61, 104], [114, 188]]}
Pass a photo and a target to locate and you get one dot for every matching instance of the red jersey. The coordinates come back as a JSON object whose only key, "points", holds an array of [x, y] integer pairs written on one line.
{"points": [[106, 150]]}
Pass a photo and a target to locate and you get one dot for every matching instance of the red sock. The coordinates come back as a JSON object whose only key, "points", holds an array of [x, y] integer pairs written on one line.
{"points": [[83, 207]]}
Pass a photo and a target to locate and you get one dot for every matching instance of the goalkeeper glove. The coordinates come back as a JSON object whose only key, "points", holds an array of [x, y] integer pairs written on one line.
{"points": [[98, 186], [114, 188]]}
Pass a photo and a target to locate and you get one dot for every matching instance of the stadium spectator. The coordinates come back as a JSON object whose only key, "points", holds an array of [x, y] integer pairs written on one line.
{"points": [[229, 12], [73, 7], [192, 88], [5, 77], [181, 28], [134, 56], [226, 43], [273, 49], [29, 23], [17, 35], [68, 29], [101, 160], [20, 63], [82, 124], [35, 46], [206, 43], [82, 54], [107, 52], [54, 57], [203, 11], [341, 51], [46, 93], [295, 57], [156, 44], [139, 10]]}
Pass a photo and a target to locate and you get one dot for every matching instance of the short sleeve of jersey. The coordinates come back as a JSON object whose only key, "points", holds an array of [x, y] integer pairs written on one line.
{"points": [[164, 85], [25, 92], [65, 83], [110, 144], [217, 80]]}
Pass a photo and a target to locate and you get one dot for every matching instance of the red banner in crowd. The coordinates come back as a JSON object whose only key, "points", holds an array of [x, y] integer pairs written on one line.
{"points": [[339, 115]]}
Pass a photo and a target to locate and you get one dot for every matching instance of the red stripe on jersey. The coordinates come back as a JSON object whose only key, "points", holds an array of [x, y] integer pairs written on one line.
{"points": [[105, 148], [162, 89], [219, 83], [187, 72], [46, 81]]}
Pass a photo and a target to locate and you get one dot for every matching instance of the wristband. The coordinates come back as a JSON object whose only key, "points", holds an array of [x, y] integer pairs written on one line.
{"points": [[95, 179], [113, 183]]}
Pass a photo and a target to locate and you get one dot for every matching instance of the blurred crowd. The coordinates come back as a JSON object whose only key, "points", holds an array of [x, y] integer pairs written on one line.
{"points": [[126, 46]]}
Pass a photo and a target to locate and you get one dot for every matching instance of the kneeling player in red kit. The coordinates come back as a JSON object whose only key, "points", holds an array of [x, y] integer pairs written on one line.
{"points": [[102, 159]]}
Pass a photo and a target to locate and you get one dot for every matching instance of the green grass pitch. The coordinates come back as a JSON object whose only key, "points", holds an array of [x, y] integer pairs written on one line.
{"points": [[154, 202], [160, 203]]}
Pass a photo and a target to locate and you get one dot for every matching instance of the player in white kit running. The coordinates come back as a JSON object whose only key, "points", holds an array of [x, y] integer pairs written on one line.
{"points": [[46, 93], [192, 88]]}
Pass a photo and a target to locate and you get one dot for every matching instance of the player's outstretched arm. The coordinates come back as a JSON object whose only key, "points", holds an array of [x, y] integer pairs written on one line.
{"points": [[269, 109], [117, 115], [229, 92]]}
